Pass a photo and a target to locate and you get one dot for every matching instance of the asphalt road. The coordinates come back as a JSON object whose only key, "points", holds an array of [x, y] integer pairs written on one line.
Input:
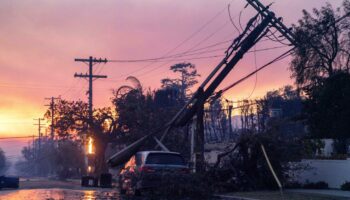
{"points": [[59, 194], [65, 194]]}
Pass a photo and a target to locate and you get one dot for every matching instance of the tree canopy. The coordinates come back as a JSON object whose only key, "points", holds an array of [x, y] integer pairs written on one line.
{"points": [[323, 45], [187, 79], [321, 68]]}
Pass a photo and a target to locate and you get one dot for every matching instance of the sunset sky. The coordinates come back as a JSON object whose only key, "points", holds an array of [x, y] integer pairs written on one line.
{"points": [[39, 40]]}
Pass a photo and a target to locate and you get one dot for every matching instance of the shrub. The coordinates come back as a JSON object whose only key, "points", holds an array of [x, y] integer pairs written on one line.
{"points": [[293, 185], [317, 185], [345, 186]]}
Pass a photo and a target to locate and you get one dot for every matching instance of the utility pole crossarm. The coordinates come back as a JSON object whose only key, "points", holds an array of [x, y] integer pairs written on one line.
{"points": [[276, 22], [95, 60], [81, 75], [99, 76]]}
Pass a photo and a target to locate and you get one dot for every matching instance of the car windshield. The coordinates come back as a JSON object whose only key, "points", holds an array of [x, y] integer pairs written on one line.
{"points": [[164, 159]]}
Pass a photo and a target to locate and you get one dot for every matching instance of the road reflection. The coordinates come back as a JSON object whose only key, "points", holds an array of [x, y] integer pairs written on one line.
{"points": [[59, 194]]}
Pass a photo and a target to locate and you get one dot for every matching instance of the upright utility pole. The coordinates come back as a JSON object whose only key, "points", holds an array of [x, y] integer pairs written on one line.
{"points": [[52, 108], [91, 61], [39, 131], [230, 107]]}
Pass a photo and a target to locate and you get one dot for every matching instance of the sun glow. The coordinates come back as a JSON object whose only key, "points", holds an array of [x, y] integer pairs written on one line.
{"points": [[18, 123]]}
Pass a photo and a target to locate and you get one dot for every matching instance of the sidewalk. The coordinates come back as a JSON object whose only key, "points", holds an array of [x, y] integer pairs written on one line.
{"points": [[337, 193], [290, 194], [232, 197]]}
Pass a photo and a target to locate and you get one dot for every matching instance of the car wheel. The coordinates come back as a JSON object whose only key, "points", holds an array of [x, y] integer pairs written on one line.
{"points": [[122, 191], [137, 192]]}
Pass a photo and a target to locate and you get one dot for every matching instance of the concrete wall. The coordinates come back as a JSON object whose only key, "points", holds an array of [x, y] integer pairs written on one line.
{"points": [[333, 172]]}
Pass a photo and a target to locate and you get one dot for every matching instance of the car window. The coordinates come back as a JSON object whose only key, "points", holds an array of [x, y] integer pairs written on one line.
{"points": [[138, 159], [164, 159]]}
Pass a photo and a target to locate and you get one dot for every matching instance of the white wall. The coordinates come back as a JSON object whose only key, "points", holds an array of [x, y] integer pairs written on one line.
{"points": [[333, 172]]}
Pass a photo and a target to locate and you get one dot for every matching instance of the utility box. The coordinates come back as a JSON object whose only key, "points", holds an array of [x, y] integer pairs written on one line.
{"points": [[89, 181]]}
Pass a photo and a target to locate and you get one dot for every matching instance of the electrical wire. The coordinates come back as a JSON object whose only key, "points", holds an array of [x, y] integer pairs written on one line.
{"points": [[184, 41], [256, 75], [280, 57], [168, 57], [183, 57], [193, 47], [231, 19], [17, 137]]}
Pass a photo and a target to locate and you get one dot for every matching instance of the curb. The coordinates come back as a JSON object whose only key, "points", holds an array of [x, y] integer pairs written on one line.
{"points": [[234, 197]]}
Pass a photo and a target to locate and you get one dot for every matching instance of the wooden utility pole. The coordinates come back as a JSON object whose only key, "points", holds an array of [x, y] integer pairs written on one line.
{"points": [[199, 147], [39, 132], [52, 108], [197, 137], [91, 77], [230, 106]]}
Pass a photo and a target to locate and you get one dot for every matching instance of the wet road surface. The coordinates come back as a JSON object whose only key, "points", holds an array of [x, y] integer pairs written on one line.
{"points": [[69, 194], [59, 194]]}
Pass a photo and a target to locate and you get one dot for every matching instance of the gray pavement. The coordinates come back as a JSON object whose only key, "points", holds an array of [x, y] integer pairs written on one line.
{"points": [[232, 197], [337, 193]]}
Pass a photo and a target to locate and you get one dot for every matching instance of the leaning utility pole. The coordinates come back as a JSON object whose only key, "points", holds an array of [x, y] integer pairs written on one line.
{"points": [[91, 61], [52, 108], [39, 131]]}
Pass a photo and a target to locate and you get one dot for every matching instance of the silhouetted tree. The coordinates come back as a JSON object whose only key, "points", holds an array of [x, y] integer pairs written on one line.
{"points": [[187, 79], [72, 120], [65, 159], [321, 67], [322, 45], [3, 162], [328, 109]]}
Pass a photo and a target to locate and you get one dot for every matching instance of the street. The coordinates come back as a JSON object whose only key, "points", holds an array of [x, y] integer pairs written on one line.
{"points": [[59, 194], [64, 194]]}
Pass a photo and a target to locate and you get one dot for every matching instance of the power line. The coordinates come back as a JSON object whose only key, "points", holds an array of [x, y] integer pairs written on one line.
{"points": [[280, 57], [26, 86], [197, 44], [256, 76], [215, 56], [183, 42], [16, 137], [182, 56]]}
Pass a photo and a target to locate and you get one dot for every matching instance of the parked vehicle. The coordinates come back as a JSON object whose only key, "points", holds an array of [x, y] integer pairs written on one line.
{"points": [[9, 182], [144, 170]]}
